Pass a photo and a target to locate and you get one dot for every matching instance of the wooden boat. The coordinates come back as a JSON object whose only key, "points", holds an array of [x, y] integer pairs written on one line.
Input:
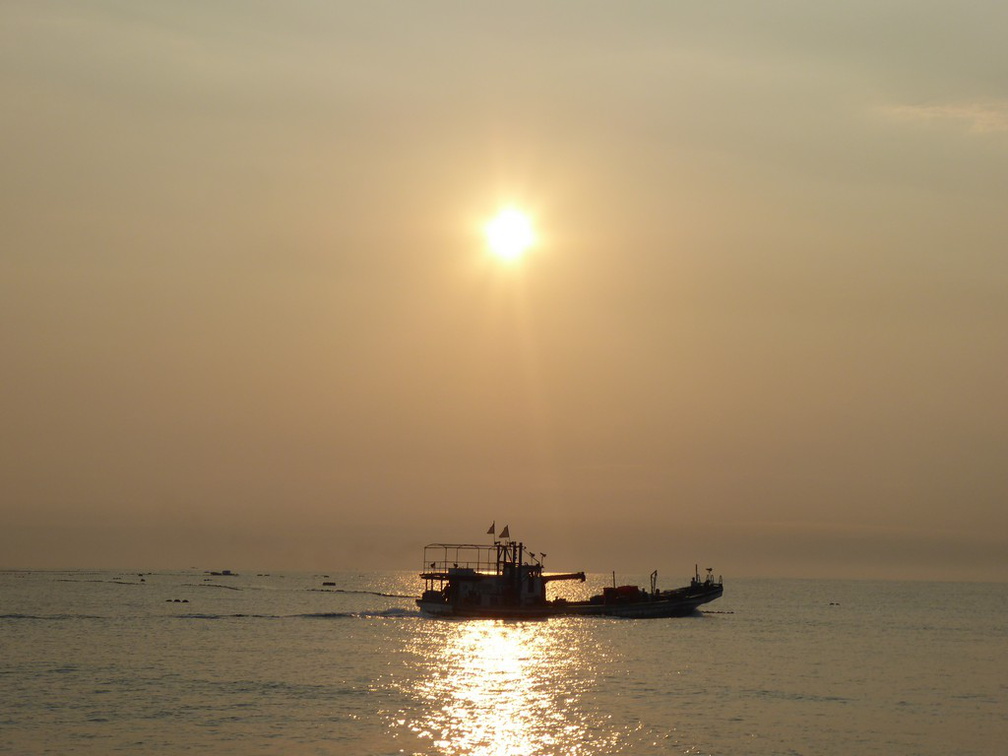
{"points": [[505, 581]]}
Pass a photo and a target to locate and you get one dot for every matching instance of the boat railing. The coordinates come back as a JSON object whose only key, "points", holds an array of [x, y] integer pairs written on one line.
{"points": [[442, 557]]}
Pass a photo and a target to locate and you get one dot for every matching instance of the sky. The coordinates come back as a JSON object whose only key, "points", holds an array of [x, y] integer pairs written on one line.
{"points": [[248, 317]]}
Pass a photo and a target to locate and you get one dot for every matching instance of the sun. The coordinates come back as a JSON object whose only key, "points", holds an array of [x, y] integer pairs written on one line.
{"points": [[509, 234]]}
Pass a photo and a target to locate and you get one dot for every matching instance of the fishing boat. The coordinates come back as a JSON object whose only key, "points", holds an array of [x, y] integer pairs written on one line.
{"points": [[504, 580]]}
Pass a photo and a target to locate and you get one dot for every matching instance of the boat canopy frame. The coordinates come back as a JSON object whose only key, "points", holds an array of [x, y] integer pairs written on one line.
{"points": [[480, 558]]}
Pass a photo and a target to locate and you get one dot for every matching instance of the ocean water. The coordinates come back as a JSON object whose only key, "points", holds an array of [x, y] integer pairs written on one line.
{"points": [[111, 662]]}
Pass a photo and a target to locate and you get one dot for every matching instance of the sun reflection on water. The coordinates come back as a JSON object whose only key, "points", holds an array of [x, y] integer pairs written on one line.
{"points": [[493, 688]]}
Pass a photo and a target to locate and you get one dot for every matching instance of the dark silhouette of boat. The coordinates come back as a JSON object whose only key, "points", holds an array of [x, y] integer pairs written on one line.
{"points": [[505, 581]]}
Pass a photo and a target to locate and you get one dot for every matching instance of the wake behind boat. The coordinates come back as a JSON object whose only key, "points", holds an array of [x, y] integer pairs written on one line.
{"points": [[504, 580]]}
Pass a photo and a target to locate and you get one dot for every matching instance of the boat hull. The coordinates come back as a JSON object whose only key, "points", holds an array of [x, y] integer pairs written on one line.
{"points": [[439, 609], [680, 605]]}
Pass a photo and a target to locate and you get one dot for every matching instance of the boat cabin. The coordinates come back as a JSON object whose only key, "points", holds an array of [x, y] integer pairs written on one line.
{"points": [[503, 574]]}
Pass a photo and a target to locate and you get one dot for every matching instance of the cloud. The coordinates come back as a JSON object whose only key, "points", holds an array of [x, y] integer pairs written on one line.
{"points": [[978, 117]]}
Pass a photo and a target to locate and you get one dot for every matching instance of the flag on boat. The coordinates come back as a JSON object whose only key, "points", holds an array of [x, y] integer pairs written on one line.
{"points": [[505, 533], [493, 528]]}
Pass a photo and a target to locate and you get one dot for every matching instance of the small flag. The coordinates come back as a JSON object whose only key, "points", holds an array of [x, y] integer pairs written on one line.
{"points": [[493, 528], [505, 533]]}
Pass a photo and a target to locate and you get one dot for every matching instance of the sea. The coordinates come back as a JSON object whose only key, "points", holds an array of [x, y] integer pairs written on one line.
{"points": [[172, 662]]}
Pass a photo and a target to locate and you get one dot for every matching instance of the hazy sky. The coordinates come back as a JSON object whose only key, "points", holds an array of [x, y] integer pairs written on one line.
{"points": [[248, 318]]}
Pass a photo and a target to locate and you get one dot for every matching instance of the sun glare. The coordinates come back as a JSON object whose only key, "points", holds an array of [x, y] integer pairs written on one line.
{"points": [[509, 235]]}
